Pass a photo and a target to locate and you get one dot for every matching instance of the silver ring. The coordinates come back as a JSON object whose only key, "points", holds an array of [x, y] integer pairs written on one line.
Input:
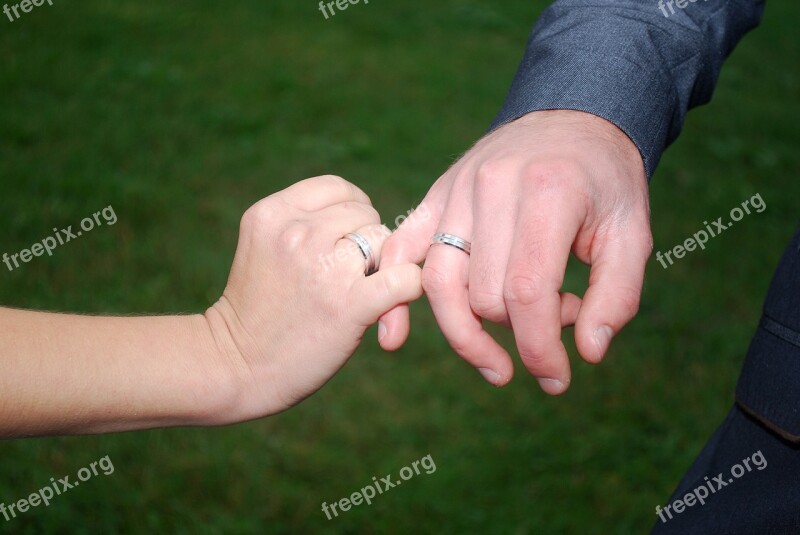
{"points": [[366, 250], [452, 240]]}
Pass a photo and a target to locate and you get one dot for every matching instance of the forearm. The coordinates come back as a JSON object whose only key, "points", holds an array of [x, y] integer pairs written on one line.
{"points": [[71, 374]]}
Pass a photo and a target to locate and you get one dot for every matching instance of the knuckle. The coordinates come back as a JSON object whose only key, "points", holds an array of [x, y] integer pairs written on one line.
{"points": [[348, 187], [460, 347], [463, 181], [293, 237], [487, 304], [259, 216], [490, 171], [392, 283], [534, 361], [628, 300], [523, 289], [434, 280]]}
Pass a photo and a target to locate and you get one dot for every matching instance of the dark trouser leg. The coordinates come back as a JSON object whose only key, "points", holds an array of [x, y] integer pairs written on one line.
{"points": [[760, 439]]}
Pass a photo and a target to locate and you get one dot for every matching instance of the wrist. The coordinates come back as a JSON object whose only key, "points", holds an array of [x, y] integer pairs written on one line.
{"points": [[218, 376], [595, 126]]}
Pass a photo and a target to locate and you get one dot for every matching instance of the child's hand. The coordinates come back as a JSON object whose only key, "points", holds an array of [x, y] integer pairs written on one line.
{"points": [[297, 301]]}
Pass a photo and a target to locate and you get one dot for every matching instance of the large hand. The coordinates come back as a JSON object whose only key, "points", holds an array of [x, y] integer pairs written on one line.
{"points": [[525, 195], [297, 302]]}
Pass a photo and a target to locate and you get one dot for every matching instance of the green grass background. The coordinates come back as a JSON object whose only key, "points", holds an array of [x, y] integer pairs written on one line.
{"points": [[182, 114]]}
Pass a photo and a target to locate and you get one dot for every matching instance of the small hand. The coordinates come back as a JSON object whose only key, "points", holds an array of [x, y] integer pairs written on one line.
{"points": [[297, 301]]}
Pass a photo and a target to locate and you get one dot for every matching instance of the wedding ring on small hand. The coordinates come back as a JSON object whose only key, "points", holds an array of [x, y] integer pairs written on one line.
{"points": [[366, 250]]}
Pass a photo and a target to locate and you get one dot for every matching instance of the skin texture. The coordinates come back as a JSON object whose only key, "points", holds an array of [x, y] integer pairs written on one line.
{"points": [[295, 308], [526, 195]]}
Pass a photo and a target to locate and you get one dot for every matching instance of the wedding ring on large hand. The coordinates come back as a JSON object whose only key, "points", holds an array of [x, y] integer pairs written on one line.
{"points": [[366, 250], [452, 240]]}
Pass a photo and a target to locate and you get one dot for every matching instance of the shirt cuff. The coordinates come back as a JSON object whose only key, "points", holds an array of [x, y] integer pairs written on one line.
{"points": [[638, 100]]}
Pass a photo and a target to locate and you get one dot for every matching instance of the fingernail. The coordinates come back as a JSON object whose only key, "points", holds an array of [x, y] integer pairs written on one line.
{"points": [[490, 375], [551, 386], [381, 331], [602, 337]]}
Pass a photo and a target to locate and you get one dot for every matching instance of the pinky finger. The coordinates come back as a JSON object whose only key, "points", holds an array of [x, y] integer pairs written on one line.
{"points": [[570, 306]]}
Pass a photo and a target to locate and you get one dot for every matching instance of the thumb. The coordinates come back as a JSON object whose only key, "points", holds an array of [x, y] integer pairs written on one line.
{"points": [[373, 296]]}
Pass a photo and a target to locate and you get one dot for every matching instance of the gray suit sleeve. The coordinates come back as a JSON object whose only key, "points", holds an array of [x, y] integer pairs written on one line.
{"points": [[641, 64]]}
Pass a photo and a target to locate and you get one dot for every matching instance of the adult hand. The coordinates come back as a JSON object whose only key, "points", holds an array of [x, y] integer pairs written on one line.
{"points": [[297, 301], [525, 196]]}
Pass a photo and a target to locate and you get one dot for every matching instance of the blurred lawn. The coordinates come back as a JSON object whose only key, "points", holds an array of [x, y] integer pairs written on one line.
{"points": [[181, 114]]}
